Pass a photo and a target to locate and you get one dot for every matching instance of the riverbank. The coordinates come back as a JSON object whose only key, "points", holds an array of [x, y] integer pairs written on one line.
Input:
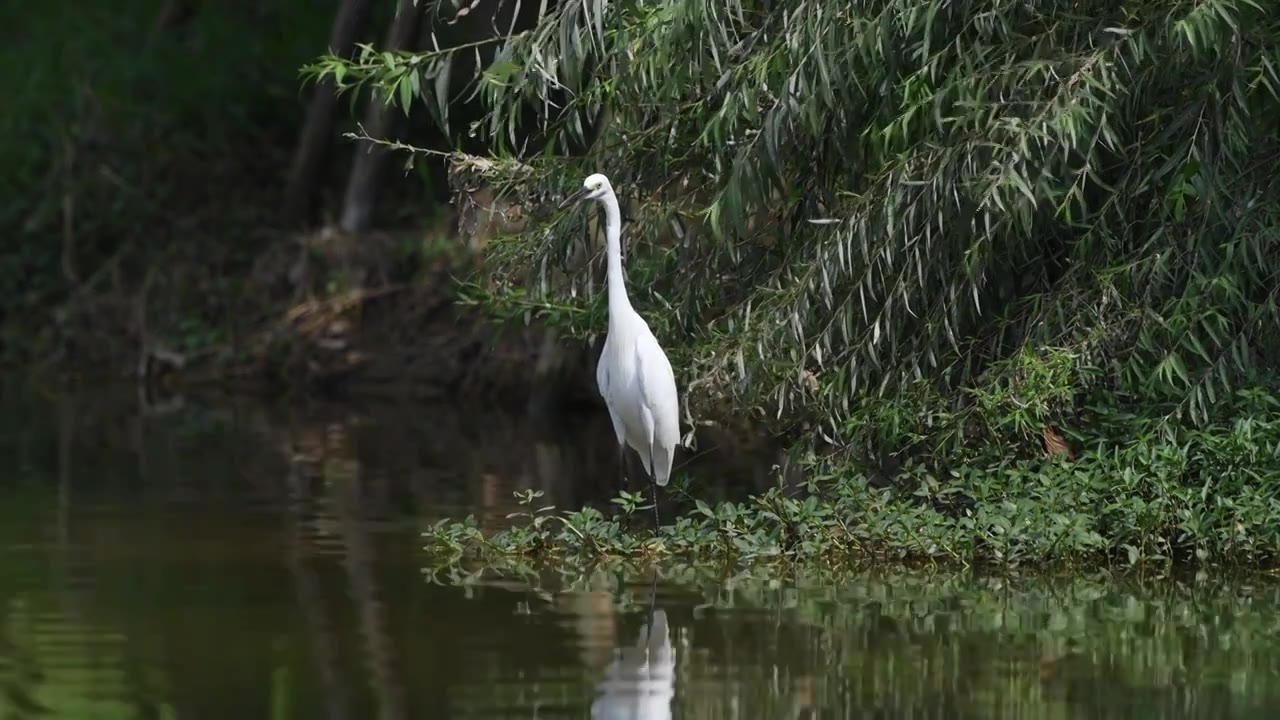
{"points": [[1129, 490], [246, 556], [1005, 364], [1117, 483]]}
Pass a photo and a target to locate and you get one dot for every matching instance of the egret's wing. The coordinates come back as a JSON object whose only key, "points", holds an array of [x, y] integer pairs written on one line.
{"points": [[602, 381], [657, 385], [658, 396], [618, 430], [602, 372]]}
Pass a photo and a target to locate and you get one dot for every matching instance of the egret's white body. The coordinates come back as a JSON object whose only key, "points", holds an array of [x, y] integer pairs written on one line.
{"points": [[639, 388], [633, 374]]}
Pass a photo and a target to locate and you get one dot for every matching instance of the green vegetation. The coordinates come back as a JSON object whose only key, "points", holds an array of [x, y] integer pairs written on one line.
{"points": [[1130, 499], [877, 192], [931, 235], [999, 272], [141, 146]]}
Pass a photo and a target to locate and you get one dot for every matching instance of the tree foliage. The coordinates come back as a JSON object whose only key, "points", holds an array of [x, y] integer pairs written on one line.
{"points": [[835, 204]]}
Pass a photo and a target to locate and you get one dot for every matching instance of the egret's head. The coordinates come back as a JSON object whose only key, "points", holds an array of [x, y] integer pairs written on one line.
{"points": [[595, 187]]}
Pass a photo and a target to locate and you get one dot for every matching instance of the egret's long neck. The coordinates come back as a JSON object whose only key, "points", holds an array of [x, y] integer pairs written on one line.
{"points": [[618, 302]]}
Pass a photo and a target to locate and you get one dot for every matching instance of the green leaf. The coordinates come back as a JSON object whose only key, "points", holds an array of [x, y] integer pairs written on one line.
{"points": [[406, 92], [442, 90]]}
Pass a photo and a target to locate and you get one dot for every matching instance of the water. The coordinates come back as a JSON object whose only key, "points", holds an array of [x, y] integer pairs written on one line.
{"points": [[235, 560]]}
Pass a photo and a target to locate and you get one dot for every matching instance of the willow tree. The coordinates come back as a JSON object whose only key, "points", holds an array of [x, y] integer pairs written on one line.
{"points": [[843, 207]]}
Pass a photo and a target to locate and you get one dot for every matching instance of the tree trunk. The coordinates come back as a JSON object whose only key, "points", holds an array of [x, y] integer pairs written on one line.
{"points": [[313, 142], [381, 121]]}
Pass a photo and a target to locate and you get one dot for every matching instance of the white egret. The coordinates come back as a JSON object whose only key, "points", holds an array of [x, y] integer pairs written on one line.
{"points": [[633, 374]]}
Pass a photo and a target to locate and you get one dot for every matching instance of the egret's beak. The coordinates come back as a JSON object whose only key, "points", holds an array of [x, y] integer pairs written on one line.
{"points": [[575, 197]]}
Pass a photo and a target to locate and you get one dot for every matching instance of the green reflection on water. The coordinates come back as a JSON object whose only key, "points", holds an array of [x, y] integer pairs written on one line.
{"points": [[204, 569]]}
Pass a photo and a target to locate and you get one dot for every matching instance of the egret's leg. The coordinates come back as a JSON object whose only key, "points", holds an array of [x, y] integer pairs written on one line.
{"points": [[653, 488], [622, 464]]}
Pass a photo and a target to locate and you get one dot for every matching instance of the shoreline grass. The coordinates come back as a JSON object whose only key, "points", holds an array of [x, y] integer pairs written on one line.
{"points": [[1141, 493]]}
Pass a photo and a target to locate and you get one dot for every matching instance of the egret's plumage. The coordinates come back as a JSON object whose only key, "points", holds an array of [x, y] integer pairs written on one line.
{"points": [[634, 375]]}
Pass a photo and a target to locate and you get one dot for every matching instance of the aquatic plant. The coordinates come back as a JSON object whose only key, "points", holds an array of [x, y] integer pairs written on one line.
{"points": [[1131, 497]]}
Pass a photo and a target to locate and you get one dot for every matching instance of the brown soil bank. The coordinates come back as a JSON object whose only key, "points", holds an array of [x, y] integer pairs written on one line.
{"points": [[332, 315], [407, 338]]}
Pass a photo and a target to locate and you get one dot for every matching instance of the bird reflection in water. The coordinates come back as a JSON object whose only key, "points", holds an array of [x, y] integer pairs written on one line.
{"points": [[639, 683]]}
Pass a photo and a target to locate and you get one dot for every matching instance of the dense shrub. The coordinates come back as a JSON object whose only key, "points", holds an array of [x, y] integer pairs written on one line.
{"points": [[839, 201]]}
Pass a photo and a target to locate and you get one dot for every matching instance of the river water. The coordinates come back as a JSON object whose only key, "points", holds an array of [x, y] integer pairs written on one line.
{"points": [[232, 559]]}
